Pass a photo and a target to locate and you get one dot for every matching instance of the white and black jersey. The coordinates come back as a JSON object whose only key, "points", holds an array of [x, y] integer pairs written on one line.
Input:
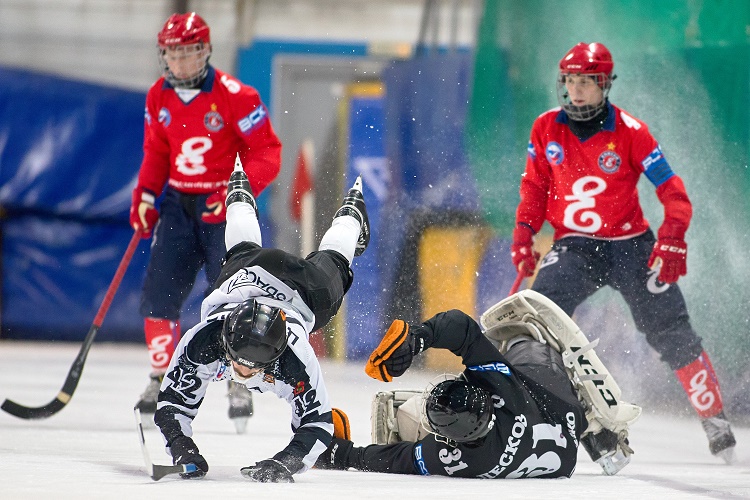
{"points": [[296, 376], [538, 418]]}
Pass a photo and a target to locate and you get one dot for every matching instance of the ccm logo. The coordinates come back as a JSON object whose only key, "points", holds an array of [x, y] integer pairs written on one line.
{"points": [[673, 249]]}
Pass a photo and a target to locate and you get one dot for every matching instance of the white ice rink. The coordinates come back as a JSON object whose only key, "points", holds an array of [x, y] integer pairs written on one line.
{"points": [[90, 449]]}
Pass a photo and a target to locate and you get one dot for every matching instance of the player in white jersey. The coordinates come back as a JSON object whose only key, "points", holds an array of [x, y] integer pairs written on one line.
{"points": [[255, 328]]}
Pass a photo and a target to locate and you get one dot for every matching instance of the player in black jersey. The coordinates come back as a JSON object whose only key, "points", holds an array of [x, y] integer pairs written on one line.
{"points": [[518, 410]]}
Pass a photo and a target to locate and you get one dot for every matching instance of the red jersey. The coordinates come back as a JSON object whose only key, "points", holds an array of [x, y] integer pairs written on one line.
{"points": [[192, 145], [589, 188]]}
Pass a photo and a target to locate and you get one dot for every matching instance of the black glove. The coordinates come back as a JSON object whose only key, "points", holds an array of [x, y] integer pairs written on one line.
{"points": [[268, 471], [184, 451], [336, 456]]}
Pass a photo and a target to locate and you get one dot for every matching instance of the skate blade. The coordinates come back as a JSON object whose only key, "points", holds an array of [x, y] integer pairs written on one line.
{"points": [[613, 463], [240, 424], [727, 455]]}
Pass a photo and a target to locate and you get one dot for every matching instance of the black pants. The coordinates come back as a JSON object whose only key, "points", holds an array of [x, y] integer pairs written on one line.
{"points": [[182, 244], [321, 279], [576, 267]]}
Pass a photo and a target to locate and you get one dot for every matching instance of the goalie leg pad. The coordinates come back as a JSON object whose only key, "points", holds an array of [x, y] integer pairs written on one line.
{"points": [[531, 313], [390, 425]]}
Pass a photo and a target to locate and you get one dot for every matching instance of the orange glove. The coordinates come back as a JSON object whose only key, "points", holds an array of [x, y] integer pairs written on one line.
{"points": [[143, 214], [522, 251], [671, 255], [394, 354], [216, 204]]}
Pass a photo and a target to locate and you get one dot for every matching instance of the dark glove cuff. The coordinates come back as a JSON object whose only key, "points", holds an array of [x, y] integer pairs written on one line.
{"points": [[292, 463]]}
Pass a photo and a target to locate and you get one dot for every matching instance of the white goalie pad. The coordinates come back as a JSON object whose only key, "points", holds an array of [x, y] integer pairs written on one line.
{"points": [[397, 416], [531, 313]]}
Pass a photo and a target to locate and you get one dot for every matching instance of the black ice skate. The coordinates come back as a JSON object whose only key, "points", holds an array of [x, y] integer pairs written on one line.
{"points": [[354, 205], [721, 439], [240, 405], [147, 403], [238, 188], [608, 450]]}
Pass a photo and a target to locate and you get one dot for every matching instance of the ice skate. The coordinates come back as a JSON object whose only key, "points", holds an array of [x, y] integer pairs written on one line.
{"points": [[608, 450], [721, 439], [354, 205], [147, 403], [238, 188], [240, 405]]}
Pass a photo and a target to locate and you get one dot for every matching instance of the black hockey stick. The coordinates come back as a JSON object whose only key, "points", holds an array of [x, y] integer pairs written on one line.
{"points": [[74, 374], [154, 470]]}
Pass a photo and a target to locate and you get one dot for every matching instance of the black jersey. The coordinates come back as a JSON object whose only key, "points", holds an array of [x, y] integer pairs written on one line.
{"points": [[538, 418]]}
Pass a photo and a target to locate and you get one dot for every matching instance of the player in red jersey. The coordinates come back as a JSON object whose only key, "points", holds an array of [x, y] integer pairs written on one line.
{"points": [[584, 161], [197, 120]]}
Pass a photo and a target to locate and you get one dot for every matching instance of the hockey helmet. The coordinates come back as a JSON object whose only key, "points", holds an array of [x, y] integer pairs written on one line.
{"points": [[588, 59], [184, 44], [459, 411], [254, 334]]}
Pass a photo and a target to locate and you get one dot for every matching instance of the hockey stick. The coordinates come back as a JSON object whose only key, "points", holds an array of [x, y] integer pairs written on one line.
{"points": [[154, 470], [74, 374], [516, 283]]}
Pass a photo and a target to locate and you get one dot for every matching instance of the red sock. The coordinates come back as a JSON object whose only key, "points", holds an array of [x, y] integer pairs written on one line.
{"points": [[162, 336], [701, 385]]}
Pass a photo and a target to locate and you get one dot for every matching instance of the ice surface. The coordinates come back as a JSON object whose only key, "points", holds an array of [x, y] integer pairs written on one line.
{"points": [[90, 449]]}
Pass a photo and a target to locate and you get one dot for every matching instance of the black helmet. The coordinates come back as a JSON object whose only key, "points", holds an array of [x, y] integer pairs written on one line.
{"points": [[459, 411], [254, 334]]}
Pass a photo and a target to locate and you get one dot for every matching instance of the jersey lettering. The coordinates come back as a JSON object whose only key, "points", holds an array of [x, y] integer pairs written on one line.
{"points": [[630, 121], [232, 85], [305, 403], [583, 200], [191, 161], [449, 457], [184, 381], [255, 117]]}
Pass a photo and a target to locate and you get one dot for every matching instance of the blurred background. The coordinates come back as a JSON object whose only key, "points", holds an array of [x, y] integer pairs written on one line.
{"points": [[431, 101]]}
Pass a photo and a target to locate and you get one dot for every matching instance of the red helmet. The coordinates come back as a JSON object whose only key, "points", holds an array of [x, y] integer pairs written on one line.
{"points": [[591, 59], [184, 29], [587, 59], [182, 37]]}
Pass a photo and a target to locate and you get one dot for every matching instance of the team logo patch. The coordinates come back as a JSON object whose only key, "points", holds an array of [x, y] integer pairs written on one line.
{"points": [[268, 378], [213, 121], [554, 152], [165, 118], [299, 388], [609, 162]]}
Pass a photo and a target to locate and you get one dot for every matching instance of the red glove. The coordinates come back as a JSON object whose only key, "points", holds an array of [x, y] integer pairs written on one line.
{"points": [[143, 214], [522, 251], [216, 204], [671, 255]]}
